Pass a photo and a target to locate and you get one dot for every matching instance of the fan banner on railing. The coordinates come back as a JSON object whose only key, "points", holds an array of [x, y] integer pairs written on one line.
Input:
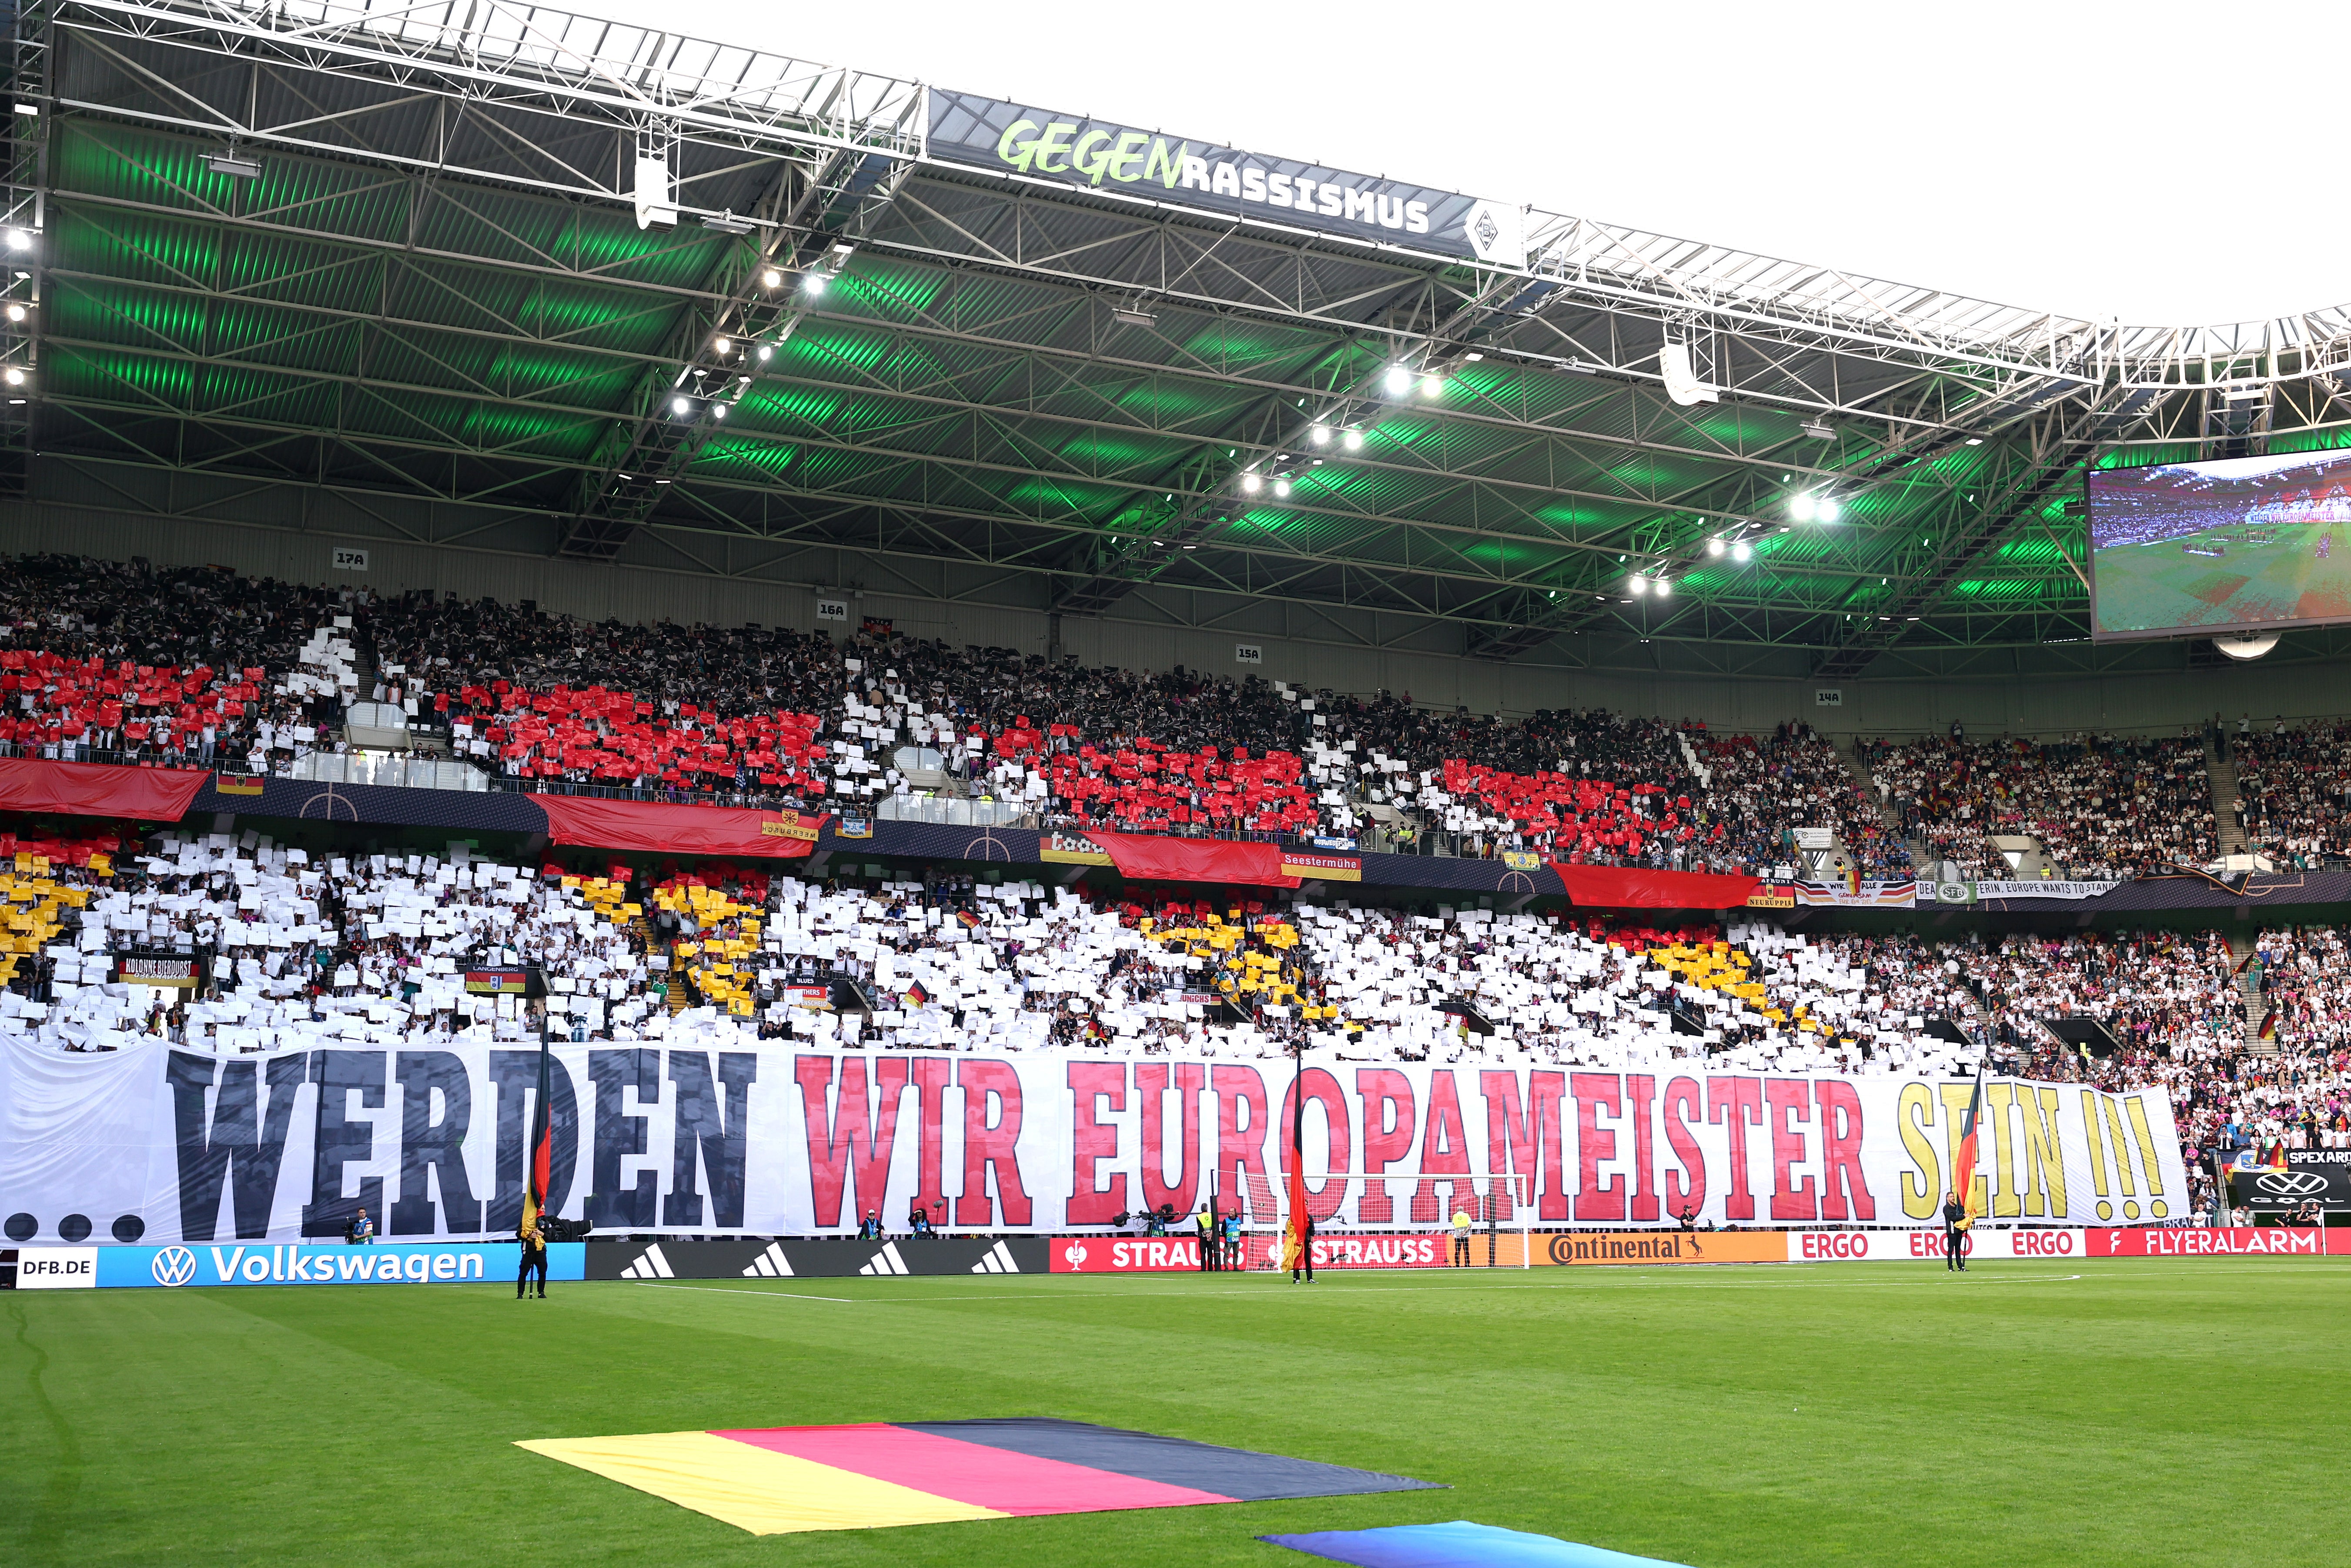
{"points": [[1147, 857], [160, 1145], [95, 790], [1633, 887], [656, 829]]}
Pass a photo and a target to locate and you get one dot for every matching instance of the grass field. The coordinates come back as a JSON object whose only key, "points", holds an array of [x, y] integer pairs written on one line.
{"points": [[2144, 587], [2103, 1412]]}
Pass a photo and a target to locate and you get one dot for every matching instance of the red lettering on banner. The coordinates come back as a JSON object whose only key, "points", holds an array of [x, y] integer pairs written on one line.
{"points": [[1387, 1096], [1641, 1089], [1526, 1145], [1093, 1141], [1241, 1118], [990, 1145], [1682, 1103], [1595, 1198], [1444, 1149], [1317, 1085], [1150, 1086], [849, 1144], [1791, 1100], [931, 1075], [1841, 1177], [1834, 1246], [1742, 1099]]}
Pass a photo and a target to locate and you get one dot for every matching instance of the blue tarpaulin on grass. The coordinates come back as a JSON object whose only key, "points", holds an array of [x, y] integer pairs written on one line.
{"points": [[1459, 1545]]}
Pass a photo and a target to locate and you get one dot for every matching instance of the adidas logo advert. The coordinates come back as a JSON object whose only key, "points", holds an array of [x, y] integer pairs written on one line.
{"points": [[814, 1257], [651, 1266], [771, 1264]]}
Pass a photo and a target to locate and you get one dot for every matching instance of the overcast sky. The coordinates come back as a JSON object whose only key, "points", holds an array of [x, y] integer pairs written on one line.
{"points": [[2162, 163]]}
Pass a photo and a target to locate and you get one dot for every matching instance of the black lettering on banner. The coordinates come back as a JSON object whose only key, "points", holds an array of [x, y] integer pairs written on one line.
{"points": [[339, 1141], [516, 1075], [427, 1144], [246, 1143], [718, 1132], [619, 1135]]}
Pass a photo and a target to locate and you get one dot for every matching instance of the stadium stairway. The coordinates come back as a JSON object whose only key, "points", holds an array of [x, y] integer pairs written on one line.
{"points": [[2223, 771], [2249, 994], [1850, 752]]}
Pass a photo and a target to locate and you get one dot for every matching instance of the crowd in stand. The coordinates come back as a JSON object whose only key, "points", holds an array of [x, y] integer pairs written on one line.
{"points": [[2294, 792], [2099, 805], [202, 667]]}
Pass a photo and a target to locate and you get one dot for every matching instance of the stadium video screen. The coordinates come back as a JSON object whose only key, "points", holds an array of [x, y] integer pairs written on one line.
{"points": [[2240, 543]]}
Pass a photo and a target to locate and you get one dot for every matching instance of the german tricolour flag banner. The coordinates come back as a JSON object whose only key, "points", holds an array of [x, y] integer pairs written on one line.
{"points": [[542, 1148], [778, 1479], [1963, 1159]]}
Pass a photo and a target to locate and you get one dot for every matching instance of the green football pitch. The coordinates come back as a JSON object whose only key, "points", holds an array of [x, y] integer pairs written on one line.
{"points": [[2153, 586], [2099, 1412]]}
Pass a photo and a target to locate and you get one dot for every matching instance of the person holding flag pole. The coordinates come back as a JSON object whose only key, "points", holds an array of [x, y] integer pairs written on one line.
{"points": [[1297, 1233], [537, 1173], [1959, 1207]]}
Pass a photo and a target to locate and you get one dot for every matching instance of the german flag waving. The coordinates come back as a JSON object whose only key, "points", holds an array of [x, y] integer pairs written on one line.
{"points": [[542, 1149], [1963, 1158], [915, 995]]}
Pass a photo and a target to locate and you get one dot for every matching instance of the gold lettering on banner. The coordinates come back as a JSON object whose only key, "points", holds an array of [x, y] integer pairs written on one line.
{"points": [[2043, 1151], [2094, 1133], [1919, 1202], [2000, 1099], [2120, 1142], [2137, 1110]]}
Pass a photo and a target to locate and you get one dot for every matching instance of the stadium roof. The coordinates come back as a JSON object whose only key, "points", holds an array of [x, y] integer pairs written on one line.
{"points": [[394, 253]]}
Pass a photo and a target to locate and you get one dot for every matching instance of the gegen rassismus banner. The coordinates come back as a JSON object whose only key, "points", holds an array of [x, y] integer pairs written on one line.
{"points": [[165, 1146]]}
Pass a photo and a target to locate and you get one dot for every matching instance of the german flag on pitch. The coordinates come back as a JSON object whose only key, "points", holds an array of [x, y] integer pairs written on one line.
{"points": [[543, 1150], [1963, 1159]]}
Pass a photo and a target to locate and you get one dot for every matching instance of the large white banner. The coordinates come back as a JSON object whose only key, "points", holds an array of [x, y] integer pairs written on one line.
{"points": [[161, 1145]]}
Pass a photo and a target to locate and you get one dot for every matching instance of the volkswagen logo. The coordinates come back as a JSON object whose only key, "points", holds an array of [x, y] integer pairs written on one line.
{"points": [[174, 1266], [2292, 1184], [1074, 1253]]}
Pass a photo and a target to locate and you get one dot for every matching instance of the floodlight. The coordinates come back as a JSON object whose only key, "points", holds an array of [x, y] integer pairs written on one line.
{"points": [[814, 282], [1353, 441], [1251, 483], [20, 239], [1638, 585], [1133, 316], [1800, 507], [1819, 430], [718, 411], [767, 350], [1665, 588], [681, 406], [1320, 434], [1975, 441], [1714, 546], [1742, 550], [723, 345], [235, 165], [1432, 386], [16, 312], [14, 376], [1398, 380], [726, 222], [1828, 511], [1281, 487], [771, 278]]}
